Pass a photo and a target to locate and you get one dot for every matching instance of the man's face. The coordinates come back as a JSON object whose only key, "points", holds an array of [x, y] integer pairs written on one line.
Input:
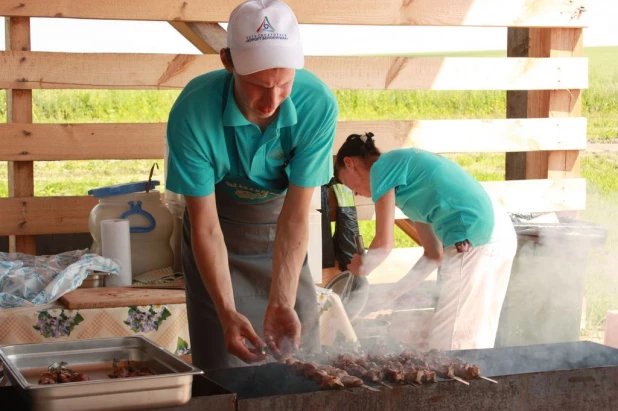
{"points": [[260, 94]]}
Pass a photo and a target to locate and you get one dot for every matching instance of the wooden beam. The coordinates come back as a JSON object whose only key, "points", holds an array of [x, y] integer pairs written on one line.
{"points": [[57, 215], [208, 38], [26, 216], [495, 13], [524, 196], [470, 136], [44, 70], [24, 141], [565, 103], [19, 110], [82, 141], [408, 227]]}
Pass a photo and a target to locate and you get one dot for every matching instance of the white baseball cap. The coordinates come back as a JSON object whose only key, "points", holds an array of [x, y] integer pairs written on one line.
{"points": [[263, 34]]}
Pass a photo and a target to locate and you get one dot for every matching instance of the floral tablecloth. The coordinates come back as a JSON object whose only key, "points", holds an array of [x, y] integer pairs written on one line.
{"points": [[166, 325]]}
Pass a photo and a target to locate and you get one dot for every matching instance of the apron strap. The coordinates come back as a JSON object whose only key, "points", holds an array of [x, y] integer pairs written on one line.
{"points": [[229, 133]]}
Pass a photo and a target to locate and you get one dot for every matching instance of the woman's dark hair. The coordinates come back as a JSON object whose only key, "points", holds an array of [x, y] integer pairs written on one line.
{"points": [[357, 145]]}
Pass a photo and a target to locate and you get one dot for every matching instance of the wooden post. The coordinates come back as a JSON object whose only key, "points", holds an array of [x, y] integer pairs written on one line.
{"points": [[19, 110], [540, 42], [565, 103]]}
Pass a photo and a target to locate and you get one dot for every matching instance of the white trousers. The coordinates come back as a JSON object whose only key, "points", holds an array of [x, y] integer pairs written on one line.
{"points": [[473, 287]]}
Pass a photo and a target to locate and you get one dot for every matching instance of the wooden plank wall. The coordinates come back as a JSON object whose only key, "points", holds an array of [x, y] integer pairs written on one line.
{"points": [[543, 74]]}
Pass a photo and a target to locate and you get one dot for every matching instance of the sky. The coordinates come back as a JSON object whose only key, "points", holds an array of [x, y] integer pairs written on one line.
{"points": [[101, 36]]}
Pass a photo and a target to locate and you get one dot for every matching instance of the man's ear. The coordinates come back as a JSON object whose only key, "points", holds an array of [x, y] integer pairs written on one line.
{"points": [[227, 63]]}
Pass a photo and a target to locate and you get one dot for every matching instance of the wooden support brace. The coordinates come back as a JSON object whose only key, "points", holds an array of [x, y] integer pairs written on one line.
{"points": [[408, 227], [209, 38]]}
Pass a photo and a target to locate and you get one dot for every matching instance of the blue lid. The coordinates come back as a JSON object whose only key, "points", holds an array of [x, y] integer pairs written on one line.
{"points": [[121, 189]]}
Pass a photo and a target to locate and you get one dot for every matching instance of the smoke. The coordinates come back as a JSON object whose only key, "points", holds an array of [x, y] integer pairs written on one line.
{"points": [[601, 288], [546, 291], [563, 277]]}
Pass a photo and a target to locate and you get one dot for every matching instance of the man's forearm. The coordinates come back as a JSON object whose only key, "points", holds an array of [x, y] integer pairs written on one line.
{"points": [[289, 254], [373, 258], [211, 258]]}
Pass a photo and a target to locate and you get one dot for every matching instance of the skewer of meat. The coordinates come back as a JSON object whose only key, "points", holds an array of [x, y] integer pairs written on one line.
{"points": [[467, 371], [348, 380], [310, 370], [371, 374], [441, 365], [447, 366], [416, 371], [396, 369]]}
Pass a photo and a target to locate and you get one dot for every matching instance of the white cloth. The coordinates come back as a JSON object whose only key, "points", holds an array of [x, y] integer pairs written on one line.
{"points": [[472, 290], [27, 280]]}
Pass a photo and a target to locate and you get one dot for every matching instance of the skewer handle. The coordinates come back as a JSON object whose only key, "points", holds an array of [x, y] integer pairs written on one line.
{"points": [[488, 379], [347, 288], [365, 386], [360, 244], [386, 385], [461, 380]]}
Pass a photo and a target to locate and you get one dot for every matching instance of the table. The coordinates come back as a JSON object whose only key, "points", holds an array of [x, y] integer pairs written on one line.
{"points": [[165, 325]]}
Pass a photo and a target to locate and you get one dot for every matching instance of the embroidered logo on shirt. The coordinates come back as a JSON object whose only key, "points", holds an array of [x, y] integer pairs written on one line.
{"points": [[278, 154], [248, 193]]}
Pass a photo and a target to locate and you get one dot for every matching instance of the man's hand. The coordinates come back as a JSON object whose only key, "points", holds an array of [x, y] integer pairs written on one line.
{"points": [[356, 265], [360, 265], [363, 265], [236, 328], [281, 329]]}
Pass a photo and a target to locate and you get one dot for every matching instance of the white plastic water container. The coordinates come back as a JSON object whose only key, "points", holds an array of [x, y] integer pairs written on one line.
{"points": [[151, 223], [176, 204]]}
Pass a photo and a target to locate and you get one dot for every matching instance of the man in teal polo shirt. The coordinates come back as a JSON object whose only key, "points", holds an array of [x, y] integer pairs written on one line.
{"points": [[247, 146]]}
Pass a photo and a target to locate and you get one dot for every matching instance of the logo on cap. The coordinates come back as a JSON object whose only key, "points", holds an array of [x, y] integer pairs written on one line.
{"points": [[266, 26]]}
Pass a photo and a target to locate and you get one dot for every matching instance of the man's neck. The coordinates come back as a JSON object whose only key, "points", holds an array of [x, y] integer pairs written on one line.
{"points": [[262, 123]]}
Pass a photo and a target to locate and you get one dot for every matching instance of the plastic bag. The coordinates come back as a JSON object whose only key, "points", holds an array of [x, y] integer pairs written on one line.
{"points": [[346, 225], [328, 250]]}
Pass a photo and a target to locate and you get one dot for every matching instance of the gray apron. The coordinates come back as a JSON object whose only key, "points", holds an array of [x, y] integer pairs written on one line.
{"points": [[249, 228]]}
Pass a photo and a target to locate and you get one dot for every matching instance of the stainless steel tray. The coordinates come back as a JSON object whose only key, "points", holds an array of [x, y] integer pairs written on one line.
{"points": [[171, 386]]}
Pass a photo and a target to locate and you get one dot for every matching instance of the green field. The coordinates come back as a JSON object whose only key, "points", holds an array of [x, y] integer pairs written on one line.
{"points": [[600, 106]]}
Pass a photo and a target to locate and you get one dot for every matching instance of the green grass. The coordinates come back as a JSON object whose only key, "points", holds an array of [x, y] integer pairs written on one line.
{"points": [[601, 289]]}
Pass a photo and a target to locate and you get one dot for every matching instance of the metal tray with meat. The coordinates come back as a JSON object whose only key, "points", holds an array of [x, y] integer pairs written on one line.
{"points": [[113, 373]]}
